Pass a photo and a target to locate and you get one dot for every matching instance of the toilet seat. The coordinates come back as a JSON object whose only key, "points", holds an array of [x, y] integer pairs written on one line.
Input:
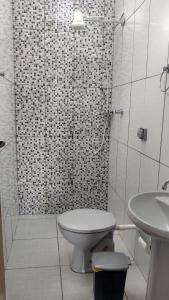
{"points": [[87, 221]]}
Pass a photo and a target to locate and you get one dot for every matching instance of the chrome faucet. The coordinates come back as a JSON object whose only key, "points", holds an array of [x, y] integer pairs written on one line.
{"points": [[164, 186]]}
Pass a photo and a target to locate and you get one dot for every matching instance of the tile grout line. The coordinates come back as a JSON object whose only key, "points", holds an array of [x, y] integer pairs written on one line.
{"points": [[32, 267], [36, 238], [60, 268]]}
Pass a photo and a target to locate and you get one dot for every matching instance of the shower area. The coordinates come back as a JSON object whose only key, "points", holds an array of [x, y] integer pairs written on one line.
{"points": [[61, 104], [55, 83]]}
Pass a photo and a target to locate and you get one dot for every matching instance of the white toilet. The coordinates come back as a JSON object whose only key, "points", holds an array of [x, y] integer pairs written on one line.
{"points": [[87, 230]]}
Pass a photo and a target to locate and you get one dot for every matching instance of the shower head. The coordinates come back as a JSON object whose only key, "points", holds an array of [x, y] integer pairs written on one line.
{"points": [[78, 20]]}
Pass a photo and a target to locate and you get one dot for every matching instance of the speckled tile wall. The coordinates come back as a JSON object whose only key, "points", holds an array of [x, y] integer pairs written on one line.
{"points": [[60, 87]]}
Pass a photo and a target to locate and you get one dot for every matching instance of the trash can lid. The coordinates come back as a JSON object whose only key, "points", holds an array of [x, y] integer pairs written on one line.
{"points": [[110, 261]]}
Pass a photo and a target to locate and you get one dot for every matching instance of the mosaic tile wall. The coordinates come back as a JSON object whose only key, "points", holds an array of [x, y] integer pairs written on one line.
{"points": [[60, 77]]}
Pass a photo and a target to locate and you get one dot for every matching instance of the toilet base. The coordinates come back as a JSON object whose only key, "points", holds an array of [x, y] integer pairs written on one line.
{"points": [[81, 258], [81, 261]]}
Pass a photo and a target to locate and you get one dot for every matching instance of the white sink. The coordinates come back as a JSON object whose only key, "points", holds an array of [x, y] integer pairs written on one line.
{"points": [[150, 213]]}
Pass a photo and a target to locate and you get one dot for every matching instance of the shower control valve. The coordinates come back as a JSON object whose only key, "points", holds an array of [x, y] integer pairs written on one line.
{"points": [[117, 111], [142, 134], [2, 144]]}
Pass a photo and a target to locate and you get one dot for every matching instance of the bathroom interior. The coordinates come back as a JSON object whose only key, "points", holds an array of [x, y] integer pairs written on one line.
{"points": [[84, 145]]}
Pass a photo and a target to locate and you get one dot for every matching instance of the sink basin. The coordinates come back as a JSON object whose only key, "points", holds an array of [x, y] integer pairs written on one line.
{"points": [[150, 213]]}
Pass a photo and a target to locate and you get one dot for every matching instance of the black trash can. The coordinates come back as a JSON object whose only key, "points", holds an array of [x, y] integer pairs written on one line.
{"points": [[110, 271]]}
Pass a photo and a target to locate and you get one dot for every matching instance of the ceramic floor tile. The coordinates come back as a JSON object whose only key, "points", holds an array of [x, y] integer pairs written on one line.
{"points": [[36, 217], [33, 284], [76, 286], [65, 249], [135, 284], [39, 228], [33, 253]]}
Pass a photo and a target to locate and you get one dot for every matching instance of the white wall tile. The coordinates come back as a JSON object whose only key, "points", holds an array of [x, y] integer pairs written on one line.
{"points": [[119, 123], [138, 3], [6, 13], [153, 114], [6, 51], [132, 188], [158, 37], [165, 136], [116, 206], [136, 112], [127, 51], [6, 113], [133, 173], [117, 58], [140, 41], [150, 51], [8, 234], [119, 8], [121, 171], [147, 112], [112, 162], [148, 174], [129, 7]]}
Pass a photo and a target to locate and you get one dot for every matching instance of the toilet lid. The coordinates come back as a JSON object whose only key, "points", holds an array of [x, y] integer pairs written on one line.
{"points": [[86, 220]]}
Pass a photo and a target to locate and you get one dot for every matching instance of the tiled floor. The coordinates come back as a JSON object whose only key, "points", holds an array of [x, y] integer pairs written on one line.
{"points": [[38, 267]]}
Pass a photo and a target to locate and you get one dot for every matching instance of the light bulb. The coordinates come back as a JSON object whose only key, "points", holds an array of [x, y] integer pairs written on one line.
{"points": [[78, 21]]}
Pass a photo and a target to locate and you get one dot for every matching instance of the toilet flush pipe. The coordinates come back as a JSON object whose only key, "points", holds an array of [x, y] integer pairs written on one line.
{"points": [[125, 227]]}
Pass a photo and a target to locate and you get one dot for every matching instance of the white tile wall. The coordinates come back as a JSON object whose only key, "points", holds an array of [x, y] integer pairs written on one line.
{"points": [[117, 58], [140, 41], [133, 173], [121, 171], [6, 130], [165, 136], [158, 37], [147, 112], [147, 162], [5, 13], [127, 51], [136, 112], [153, 116], [120, 123], [112, 163], [119, 8], [139, 3], [116, 206], [6, 51], [132, 188], [148, 174], [129, 7]]}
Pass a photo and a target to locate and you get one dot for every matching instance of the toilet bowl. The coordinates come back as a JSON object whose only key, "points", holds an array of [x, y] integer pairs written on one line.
{"points": [[88, 230]]}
